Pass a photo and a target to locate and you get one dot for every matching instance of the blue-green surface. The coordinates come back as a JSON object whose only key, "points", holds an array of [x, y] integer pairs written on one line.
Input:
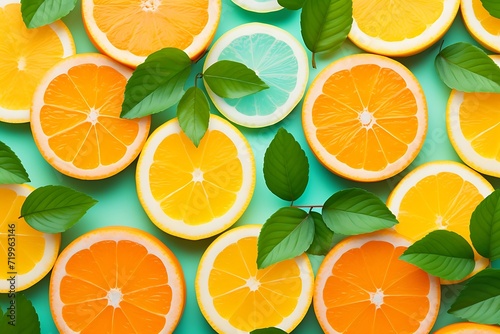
{"points": [[118, 203]]}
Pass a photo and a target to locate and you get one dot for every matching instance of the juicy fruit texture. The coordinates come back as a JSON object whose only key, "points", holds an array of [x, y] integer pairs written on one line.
{"points": [[236, 297], [277, 58], [473, 124], [363, 287], [130, 30], [259, 6], [23, 250], [400, 28], [117, 280], [365, 117], [481, 25], [195, 192], [438, 195], [26, 55], [76, 121], [468, 328]]}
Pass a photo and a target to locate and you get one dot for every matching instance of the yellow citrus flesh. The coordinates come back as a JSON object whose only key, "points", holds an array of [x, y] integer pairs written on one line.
{"points": [[468, 328], [25, 253], [237, 297], [481, 25], [438, 195], [26, 55]]}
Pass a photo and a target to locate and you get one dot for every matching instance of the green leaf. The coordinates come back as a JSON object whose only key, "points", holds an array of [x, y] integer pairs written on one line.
{"points": [[54, 209], [356, 211], [11, 169], [442, 253], [157, 83], [323, 236], [193, 112], [292, 4], [268, 330], [325, 24], [286, 234], [479, 301], [493, 7], [465, 67], [20, 317], [37, 13], [485, 226], [230, 79], [286, 168]]}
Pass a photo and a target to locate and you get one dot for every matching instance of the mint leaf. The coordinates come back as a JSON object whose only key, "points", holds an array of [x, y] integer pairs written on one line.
{"points": [[485, 226], [442, 253], [23, 318], [269, 330], [325, 24], [479, 301], [54, 209], [286, 168], [493, 7], [37, 13], [286, 234], [465, 67], [157, 83], [11, 169], [356, 211], [292, 4], [323, 236], [193, 112], [230, 79]]}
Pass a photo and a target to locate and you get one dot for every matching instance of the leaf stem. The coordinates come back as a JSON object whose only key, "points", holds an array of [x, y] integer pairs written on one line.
{"points": [[306, 206], [313, 60], [198, 76]]}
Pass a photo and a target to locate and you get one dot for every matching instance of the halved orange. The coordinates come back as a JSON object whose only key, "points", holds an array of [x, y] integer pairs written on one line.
{"points": [[236, 297], [438, 195], [195, 192], [76, 122], [398, 27], [365, 117], [26, 255], [26, 55], [468, 328], [130, 30], [363, 287], [481, 25], [117, 279]]}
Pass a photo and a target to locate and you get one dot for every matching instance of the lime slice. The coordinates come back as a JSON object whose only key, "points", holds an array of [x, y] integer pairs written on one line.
{"points": [[277, 58], [259, 6]]}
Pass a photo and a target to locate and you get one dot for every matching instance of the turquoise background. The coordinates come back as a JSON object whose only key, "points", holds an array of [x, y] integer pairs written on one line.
{"points": [[118, 203]]}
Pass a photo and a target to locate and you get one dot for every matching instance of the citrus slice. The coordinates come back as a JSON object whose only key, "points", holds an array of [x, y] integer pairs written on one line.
{"points": [[468, 328], [481, 25], [398, 28], [236, 297], [365, 117], [117, 280], [76, 121], [26, 55], [26, 255], [363, 287], [259, 6], [277, 58], [473, 124], [195, 192], [438, 195], [130, 30]]}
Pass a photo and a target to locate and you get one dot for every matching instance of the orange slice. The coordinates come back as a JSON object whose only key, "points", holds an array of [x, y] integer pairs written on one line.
{"points": [[26, 55], [236, 297], [481, 25], [468, 328], [438, 195], [473, 124], [117, 280], [365, 117], [76, 121], [130, 30], [195, 192], [25, 253], [400, 28], [363, 287]]}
